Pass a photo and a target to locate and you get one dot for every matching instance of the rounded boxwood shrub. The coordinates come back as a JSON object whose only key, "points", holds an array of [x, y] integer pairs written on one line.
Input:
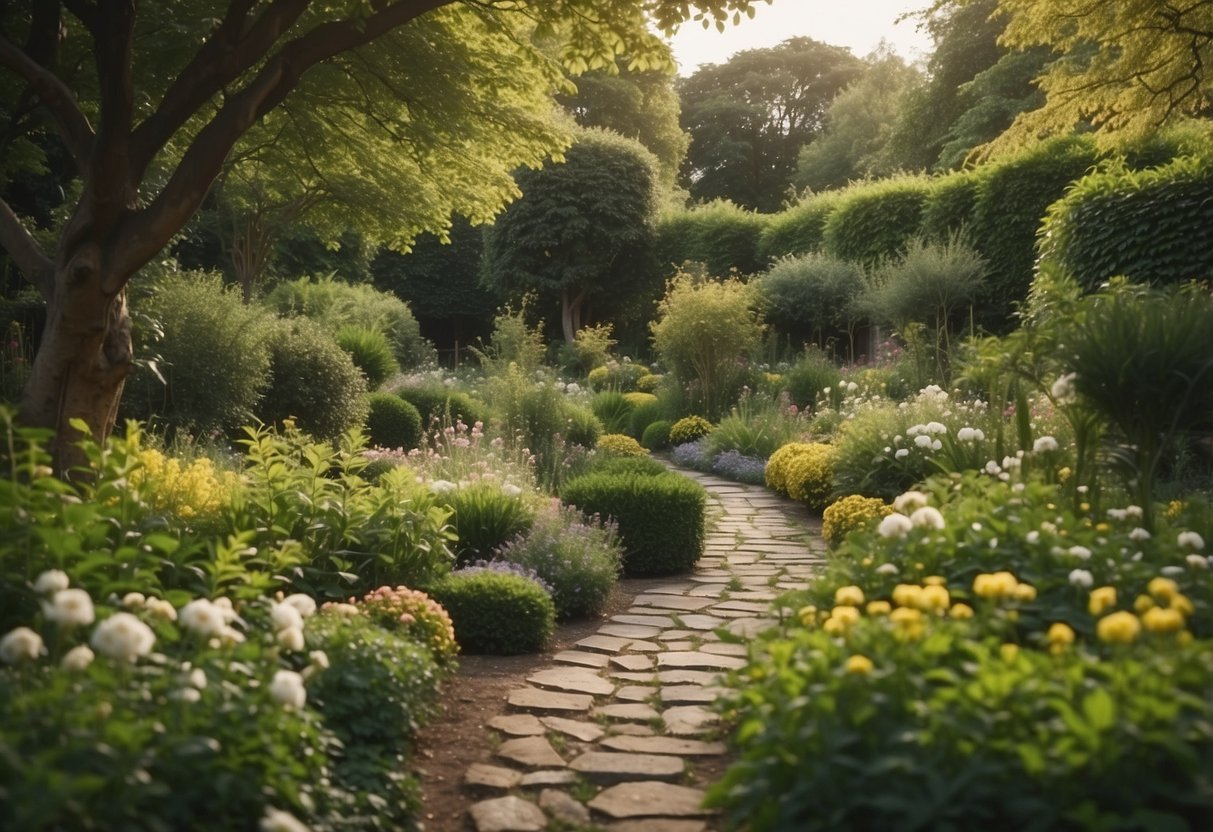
{"points": [[688, 429], [846, 515], [392, 422], [798, 230], [873, 221], [660, 517], [643, 415], [371, 351], [649, 383], [657, 435], [618, 444], [440, 406], [810, 475], [496, 612], [313, 381]]}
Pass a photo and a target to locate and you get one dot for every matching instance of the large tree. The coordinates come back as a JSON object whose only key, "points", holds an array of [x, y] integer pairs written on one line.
{"points": [[148, 101], [749, 117]]}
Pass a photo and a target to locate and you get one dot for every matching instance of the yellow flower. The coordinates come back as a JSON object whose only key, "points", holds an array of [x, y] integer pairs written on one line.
{"points": [[1101, 600], [848, 615], [1025, 592], [1060, 634], [935, 580], [994, 586], [859, 665], [934, 598], [1118, 628], [879, 607], [907, 623], [906, 595], [1063, 474], [1163, 589], [1009, 652], [1160, 620], [961, 611], [1143, 603], [851, 596], [1174, 509], [808, 615], [1181, 603], [1183, 638]]}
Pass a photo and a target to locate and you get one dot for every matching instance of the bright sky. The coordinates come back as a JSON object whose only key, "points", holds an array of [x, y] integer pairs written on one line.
{"points": [[858, 24]]}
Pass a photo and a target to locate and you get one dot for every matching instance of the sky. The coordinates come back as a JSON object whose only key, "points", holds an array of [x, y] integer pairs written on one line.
{"points": [[858, 24]]}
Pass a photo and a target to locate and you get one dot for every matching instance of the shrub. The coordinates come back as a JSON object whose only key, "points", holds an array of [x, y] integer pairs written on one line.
{"points": [[810, 475], [618, 444], [656, 436], [874, 221], [496, 612], [736, 466], [581, 426], [798, 230], [756, 427], [720, 235], [441, 406], [650, 383], [415, 614], [591, 347], [371, 352], [950, 206], [642, 465], [644, 413], [579, 560], [620, 376], [213, 354], [811, 297], [661, 518], [313, 382], [612, 409], [196, 493], [392, 422], [688, 429], [484, 516], [810, 377], [845, 515], [692, 455], [1146, 225]]}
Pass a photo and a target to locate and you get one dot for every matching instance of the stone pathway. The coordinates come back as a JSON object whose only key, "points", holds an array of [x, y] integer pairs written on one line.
{"points": [[608, 736]]}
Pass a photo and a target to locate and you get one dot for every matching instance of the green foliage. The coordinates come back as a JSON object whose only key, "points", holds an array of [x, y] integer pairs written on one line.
{"points": [[706, 333], [644, 413], [810, 298], [437, 278], [688, 429], [371, 352], [622, 376], [612, 409], [392, 422], [591, 347], [484, 515], [638, 465], [334, 304], [212, 351], [497, 613], [756, 427], [951, 205], [810, 377], [849, 514], [378, 691], [1012, 198], [442, 406], [656, 436], [1146, 225], [660, 517], [720, 236], [872, 222], [579, 560], [314, 382], [619, 444], [799, 229]]}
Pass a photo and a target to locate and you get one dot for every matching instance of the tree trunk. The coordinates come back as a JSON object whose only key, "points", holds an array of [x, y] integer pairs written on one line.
{"points": [[571, 306], [83, 358]]}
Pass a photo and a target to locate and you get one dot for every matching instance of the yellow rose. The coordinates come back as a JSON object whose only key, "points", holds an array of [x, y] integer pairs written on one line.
{"points": [[1143, 603], [1060, 634], [934, 598], [935, 580], [879, 607], [907, 623], [859, 665], [845, 613], [1101, 600], [1009, 652], [1118, 628], [1163, 589], [995, 585], [961, 611], [906, 595], [1181, 603], [808, 615], [1160, 620], [1025, 592], [851, 596]]}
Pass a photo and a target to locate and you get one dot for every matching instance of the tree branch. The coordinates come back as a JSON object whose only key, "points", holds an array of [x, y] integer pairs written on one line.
{"points": [[111, 184], [25, 251], [73, 125]]}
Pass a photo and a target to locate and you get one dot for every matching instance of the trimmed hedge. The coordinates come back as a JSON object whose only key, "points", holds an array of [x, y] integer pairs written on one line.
{"points": [[950, 206], [497, 613], [392, 422], [720, 235], [873, 222], [660, 517], [1150, 226], [657, 435], [798, 230]]}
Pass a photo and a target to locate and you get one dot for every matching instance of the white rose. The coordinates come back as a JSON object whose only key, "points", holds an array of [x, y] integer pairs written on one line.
{"points": [[319, 659], [894, 525], [285, 616], [927, 517], [159, 608], [1080, 552], [134, 600], [291, 639], [907, 502], [19, 644], [287, 689], [203, 617], [1191, 540], [123, 637], [276, 820], [70, 608], [50, 582], [1139, 534], [1081, 577], [78, 658], [305, 604], [1197, 561]]}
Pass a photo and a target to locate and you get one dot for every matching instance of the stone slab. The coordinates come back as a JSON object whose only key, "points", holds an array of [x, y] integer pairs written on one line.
{"points": [[634, 712], [688, 677], [696, 621], [485, 776], [531, 752], [671, 602], [645, 647], [610, 767], [689, 694], [664, 745], [534, 699], [696, 660], [604, 644], [562, 807], [717, 648], [575, 728], [517, 725], [660, 621], [649, 799], [658, 825], [629, 631], [582, 658], [559, 777], [508, 814], [631, 729], [634, 693], [572, 680], [688, 720], [633, 662]]}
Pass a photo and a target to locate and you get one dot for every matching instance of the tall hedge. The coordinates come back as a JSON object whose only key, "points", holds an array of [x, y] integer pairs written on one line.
{"points": [[950, 205], [1012, 198], [874, 221], [798, 230], [1151, 225], [720, 235]]}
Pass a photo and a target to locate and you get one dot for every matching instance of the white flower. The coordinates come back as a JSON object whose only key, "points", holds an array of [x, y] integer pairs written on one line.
{"points": [[1134, 511], [1032, 537], [1139, 534], [927, 517], [1192, 540], [970, 434], [907, 502], [78, 658], [276, 820], [189, 695], [894, 525], [291, 639], [510, 490], [914, 430], [1197, 561], [319, 659], [887, 569], [1044, 445], [159, 608], [21, 643], [285, 616], [342, 609], [1080, 552], [1081, 577], [922, 440], [573, 388], [1117, 514], [442, 486], [70, 608], [197, 678], [203, 617], [935, 428], [992, 468], [134, 600], [1063, 388], [1172, 571], [287, 689], [50, 582], [936, 445], [123, 637], [852, 387], [901, 453], [304, 604]]}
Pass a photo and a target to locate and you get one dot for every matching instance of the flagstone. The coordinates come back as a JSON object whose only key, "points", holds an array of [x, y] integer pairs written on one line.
{"points": [[508, 814], [549, 700], [572, 680], [531, 752], [582, 658], [664, 745], [649, 799], [584, 731], [517, 725], [614, 767]]}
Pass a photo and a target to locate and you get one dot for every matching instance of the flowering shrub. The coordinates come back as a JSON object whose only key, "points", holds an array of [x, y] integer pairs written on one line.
{"points": [[196, 492], [618, 444], [650, 383], [496, 610], [692, 454], [579, 560], [803, 471], [756, 426], [416, 614], [688, 429], [736, 466], [850, 513]]}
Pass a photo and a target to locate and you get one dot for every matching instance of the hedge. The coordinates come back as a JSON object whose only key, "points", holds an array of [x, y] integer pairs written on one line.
{"points": [[798, 230], [720, 235], [873, 222]]}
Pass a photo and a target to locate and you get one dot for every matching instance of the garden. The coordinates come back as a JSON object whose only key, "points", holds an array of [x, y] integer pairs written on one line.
{"points": [[273, 466]]}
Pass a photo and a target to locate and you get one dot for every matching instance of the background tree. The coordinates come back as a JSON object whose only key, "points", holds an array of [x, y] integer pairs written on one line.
{"points": [[749, 117], [581, 228], [209, 72]]}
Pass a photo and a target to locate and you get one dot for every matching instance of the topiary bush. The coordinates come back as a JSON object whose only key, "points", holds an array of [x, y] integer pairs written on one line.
{"points": [[371, 351], [497, 612], [873, 221], [618, 444], [392, 422], [720, 235], [441, 406], [688, 429], [853, 512], [809, 475], [644, 413], [656, 436], [314, 382], [660, 517], [798, 230]]}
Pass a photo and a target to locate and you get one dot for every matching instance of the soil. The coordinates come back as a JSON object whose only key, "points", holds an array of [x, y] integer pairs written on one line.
{"points": [[457, 736]]}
